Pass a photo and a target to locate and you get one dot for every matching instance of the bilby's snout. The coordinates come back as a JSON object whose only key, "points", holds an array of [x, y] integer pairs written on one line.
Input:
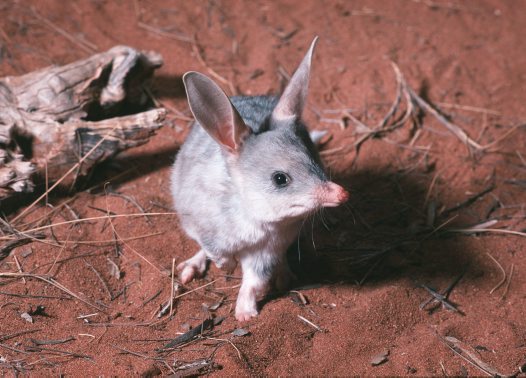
{"points": [[331, 195]]}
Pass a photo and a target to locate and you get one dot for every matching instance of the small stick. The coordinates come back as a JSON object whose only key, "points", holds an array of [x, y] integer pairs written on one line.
{"points": [[88, 47], [134, 251], [13, 335], [520, 157], [108, 241], [158, 204], [484, 127], [470, 200], [101, 279], [86, 335], [13, 349], [431, 186], [60, 252], [239, 354], [456, 347], [123, 291], [119, 324], [457, 131], [146, 357], [310, 323], [499, 284], [47, 184], [114, 268], [301, 297], [19, 268], [443, 369], [133, 202], [213, 73], [71, 211], [469, 108], [50, 281], [489, 230], [40, 228], [16, 241], [454, 283], [52, 342], [152, 297], [197, 288], [70, 258], [228, 287], [509, 282], [415, 138], [169, 367], [483, 225], [160, 104], [58, 351], [33, 296], [162, 33], [448, 289], [206, 325], [49, 215], [439, 227], [4, 35], [105, 211], [369, 271], [172, 287], [442, 299], [501, 138]]}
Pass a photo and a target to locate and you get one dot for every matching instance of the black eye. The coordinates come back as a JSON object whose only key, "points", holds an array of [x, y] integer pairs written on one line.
{"points": [[280, 179]]}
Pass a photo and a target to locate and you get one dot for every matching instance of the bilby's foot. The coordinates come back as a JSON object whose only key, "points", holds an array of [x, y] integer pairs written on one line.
{"points": [[192, 268], [253, 288], [246, 308]]}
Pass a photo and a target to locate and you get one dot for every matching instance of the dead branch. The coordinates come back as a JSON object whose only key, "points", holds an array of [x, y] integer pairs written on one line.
{"points": [[52, 117]]}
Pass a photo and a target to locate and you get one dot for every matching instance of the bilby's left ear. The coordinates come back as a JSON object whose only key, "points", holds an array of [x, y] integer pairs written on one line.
{"points": [[292, 101]]}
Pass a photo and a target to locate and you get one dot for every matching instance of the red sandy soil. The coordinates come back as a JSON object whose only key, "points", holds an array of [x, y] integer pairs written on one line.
{"points": [[362, 271]]}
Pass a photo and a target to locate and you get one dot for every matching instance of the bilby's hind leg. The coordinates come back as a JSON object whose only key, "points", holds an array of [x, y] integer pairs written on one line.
{"points": [[192, 268]]}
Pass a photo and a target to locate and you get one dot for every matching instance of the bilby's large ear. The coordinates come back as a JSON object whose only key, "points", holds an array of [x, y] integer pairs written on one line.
{"points": [[293, 99], [214, 111]]}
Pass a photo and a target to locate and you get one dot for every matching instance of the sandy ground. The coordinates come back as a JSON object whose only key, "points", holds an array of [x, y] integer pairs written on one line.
{"points": [[363, 269]]}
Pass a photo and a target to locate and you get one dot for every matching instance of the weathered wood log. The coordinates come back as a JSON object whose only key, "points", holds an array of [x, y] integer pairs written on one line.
{"points": [[51, 118]]}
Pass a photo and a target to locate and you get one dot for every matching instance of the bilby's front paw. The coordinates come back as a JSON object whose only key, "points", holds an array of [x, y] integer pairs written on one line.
{"points": [[245, 309], [245, 315], [187, 272], [192, 268]]}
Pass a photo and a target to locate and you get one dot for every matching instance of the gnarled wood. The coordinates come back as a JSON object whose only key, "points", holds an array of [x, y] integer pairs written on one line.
{"points": [[50, 118]]}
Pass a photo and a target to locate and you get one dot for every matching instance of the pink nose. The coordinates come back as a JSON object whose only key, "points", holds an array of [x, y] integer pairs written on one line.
{"points": [[332, 195]]}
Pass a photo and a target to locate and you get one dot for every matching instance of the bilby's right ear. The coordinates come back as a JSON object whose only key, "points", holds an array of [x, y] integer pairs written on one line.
{"points": [[294, 97], [214, 111]]}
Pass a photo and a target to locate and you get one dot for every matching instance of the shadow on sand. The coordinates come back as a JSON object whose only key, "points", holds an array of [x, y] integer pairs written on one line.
{"points": [[387, 230]]}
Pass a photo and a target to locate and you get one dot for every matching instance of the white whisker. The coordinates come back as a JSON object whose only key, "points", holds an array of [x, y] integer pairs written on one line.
{"points": [[348, 206], [298, 240], [312, 232], [323, 221]]}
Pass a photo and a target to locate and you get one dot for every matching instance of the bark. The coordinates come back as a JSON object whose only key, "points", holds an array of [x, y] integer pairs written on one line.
{"points": [[50, 118]]}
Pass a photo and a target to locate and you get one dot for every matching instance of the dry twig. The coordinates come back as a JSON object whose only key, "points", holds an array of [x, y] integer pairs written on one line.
{"points": [[50, 281], [499, 284]]}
